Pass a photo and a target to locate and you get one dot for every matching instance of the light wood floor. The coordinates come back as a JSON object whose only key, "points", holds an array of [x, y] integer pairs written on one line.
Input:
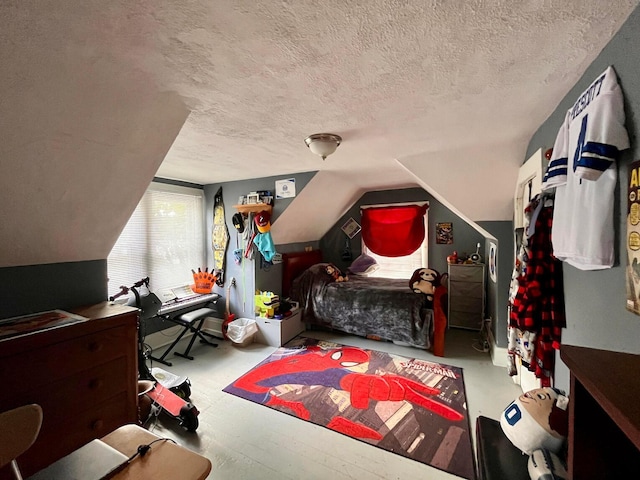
{"points": [[244, 440]]}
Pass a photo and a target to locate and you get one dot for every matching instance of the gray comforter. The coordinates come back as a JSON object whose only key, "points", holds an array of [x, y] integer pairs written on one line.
{"points": [[380, 308]]}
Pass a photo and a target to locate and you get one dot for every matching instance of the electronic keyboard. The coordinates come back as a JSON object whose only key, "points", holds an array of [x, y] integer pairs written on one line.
{"points": [[188, 302]]}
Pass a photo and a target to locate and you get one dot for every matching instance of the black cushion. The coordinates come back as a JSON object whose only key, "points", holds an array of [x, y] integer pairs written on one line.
{"points": [[498, 458]]}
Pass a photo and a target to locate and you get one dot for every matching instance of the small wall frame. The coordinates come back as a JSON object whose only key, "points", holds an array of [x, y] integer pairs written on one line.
{"points": [[444, 233], [351, 228]]}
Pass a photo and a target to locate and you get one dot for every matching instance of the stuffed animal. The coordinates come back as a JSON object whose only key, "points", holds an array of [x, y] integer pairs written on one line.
{"points": [[537, 419], [543, 464], [335, 273], [425, 280]]}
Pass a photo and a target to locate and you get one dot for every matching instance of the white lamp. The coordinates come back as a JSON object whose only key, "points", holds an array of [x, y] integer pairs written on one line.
{"points": [[323, 144]]}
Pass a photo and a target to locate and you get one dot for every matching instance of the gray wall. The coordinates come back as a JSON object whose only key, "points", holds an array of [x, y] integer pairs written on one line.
{"points": [[36, 288], [465, 237], [465, 240], [261, 275], [251, 274], [595, 301], [498, 293]]}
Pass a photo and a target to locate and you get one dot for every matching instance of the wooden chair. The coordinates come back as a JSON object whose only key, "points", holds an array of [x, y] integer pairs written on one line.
{"points": [[19, 428]]}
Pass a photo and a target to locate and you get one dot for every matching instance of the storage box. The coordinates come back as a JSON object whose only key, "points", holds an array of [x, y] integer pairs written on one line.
{"points": [[276, 332]]}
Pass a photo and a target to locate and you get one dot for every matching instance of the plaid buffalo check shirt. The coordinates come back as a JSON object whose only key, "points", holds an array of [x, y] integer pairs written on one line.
{"points": [[539, 303]]}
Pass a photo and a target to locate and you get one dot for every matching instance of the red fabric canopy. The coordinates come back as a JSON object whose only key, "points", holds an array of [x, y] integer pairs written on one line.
{"points": [[393, 231]]}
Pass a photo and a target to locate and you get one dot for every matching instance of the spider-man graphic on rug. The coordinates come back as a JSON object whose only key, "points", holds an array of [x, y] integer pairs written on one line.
{"points": [[412, 407]]}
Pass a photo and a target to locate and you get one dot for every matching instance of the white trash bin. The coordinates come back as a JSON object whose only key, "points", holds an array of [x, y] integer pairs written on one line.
{"points": [[242, 331]]}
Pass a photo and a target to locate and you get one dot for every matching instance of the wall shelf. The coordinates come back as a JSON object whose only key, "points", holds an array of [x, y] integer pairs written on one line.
{"points": [[253, 207]]}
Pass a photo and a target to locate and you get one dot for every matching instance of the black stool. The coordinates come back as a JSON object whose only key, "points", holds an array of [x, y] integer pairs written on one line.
{"points": [[192, 322], [498, 458]]}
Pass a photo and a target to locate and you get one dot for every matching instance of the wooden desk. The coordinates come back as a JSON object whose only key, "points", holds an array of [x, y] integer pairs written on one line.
{"points": [[165, 460]]}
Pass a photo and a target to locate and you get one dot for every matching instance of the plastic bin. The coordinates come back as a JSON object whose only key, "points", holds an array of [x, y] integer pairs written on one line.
{"points": [[242, 331]]}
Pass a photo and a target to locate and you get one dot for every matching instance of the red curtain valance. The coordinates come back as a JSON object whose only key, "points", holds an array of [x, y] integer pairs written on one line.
{"points": [[393, 231]]}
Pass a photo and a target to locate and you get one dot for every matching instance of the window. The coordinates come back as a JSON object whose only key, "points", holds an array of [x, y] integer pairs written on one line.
{"points": [[163, 240], [404, 265]]}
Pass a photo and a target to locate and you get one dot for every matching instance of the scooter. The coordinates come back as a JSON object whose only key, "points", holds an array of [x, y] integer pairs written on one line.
{"points": [[169, 393]]}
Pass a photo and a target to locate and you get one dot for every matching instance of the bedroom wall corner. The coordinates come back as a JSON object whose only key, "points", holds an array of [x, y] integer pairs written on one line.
{"points": [[498, 292], [465, 237], [271, 275], [249, 274]]}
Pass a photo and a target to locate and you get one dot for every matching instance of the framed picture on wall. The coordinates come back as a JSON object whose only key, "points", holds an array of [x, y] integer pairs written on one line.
{"points": [[351, 228], [444, 233]]}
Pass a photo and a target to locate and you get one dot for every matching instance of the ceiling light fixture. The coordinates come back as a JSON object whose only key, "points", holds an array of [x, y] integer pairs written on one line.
{"points": [[323, 144]]}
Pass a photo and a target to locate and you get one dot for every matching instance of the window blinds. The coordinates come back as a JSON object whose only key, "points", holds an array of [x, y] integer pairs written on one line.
{"points": [[164, 240]]}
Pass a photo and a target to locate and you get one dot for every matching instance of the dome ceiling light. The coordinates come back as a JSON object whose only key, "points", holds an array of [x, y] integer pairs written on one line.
{"points": [[323, 144]]}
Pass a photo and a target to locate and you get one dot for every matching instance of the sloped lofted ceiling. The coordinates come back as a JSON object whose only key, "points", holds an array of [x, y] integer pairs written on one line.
{"points": [[215, 91], [419, 83]]}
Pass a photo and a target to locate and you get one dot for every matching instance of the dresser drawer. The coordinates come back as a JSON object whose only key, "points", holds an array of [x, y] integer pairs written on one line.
{"points": [[81, 391], [64, 359], [466, 273], [466, 304], [468, 289], [470, 320], [83, 375], [466, 295]]}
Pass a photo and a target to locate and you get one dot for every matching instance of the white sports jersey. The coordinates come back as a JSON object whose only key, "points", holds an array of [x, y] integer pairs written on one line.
{"points": [[583, 171]]}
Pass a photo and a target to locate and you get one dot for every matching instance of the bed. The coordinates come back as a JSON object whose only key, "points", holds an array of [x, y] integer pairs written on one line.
{"points": [[378, 308]]}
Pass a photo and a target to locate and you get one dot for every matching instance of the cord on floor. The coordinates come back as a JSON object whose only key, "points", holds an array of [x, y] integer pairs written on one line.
{"points": [[482, 344]]}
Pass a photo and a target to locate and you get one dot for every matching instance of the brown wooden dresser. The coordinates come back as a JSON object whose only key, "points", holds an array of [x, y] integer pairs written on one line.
{"points": [[83, 375], [604, 413]]}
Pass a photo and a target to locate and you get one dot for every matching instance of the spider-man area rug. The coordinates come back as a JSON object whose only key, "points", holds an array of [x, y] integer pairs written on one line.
{"points": [[414, 408]]}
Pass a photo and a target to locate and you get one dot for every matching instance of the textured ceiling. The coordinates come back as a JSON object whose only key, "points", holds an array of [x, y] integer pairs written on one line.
{"points": [[395, 78], [93, 94]]}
